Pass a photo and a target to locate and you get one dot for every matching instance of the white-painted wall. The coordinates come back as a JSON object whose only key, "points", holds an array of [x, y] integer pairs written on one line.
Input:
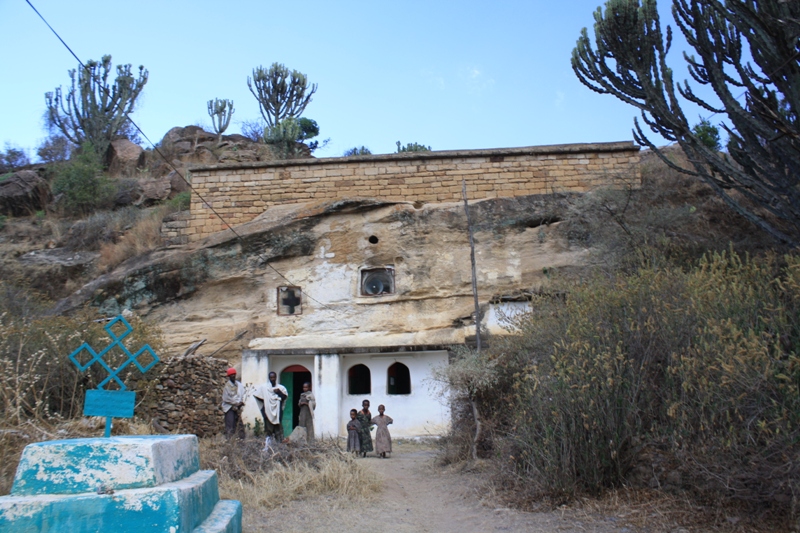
{"points": [[255, 370], [498, 317], [421, 413], [327, 376]]}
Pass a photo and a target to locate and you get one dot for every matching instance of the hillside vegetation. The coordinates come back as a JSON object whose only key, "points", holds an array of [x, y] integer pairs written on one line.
{"points": [[670, 364]]}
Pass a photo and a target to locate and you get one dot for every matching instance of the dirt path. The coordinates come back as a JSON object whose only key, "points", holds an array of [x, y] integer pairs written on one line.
{"points": [[418, 497]]}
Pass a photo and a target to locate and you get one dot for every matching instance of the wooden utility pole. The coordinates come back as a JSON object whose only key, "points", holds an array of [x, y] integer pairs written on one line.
{"points": [[472, 260]]}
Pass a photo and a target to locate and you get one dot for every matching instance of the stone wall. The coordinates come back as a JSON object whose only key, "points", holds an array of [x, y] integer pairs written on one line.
{"points": [[188, 395], [240, 192], [174, 226]]}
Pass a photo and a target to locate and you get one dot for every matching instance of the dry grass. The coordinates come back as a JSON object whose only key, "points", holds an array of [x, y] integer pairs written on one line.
{"points": [[264, 480], [657, 511], [143, 237]]}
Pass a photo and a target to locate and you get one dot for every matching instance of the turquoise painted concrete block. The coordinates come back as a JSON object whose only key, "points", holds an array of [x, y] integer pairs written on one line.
{"points": [[225, 518], [170, 508], [113, 403], [81, 465]]}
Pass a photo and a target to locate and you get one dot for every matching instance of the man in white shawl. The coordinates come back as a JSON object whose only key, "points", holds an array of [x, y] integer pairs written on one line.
{"points": [[270, 398]]}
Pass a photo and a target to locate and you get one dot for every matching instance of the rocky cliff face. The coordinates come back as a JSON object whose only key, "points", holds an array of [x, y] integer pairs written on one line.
{"points": [[223, 285]]}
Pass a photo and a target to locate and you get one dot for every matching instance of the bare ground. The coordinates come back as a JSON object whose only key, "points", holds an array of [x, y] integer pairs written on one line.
{"points": [[420, 497]]}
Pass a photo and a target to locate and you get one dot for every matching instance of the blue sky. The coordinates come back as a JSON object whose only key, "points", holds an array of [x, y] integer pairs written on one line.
{"points": [[452, 75]]}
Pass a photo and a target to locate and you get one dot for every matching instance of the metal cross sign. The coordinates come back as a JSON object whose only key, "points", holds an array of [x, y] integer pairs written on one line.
{"points": [[112, 403]]}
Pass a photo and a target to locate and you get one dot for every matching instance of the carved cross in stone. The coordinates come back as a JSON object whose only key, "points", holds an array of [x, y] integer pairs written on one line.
{"points": [[291, 300]]}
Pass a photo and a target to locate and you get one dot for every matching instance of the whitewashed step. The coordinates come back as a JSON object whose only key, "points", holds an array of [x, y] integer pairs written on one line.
{"points": [[79, 466], [225, 518], [178, 506]]}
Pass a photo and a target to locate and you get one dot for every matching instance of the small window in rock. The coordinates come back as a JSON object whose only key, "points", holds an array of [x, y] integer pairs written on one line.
{"points": [[399, 379], [359, 380], [377, 281], [290, 301]]}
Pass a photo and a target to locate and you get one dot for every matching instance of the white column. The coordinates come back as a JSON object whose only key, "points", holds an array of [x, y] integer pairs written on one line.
{"points": [[255, 370], [327, 378]]}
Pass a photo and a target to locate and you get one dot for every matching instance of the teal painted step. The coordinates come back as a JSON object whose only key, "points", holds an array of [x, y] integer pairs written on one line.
{"points": [[225, 518], [81, 465], [174, 507]]}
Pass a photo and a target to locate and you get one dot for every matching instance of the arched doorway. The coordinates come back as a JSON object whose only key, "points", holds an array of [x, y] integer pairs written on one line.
{"points": [[293, 377]]}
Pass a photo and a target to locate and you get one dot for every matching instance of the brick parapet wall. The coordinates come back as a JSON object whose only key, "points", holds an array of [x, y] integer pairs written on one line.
{"points": [[240, 192]]}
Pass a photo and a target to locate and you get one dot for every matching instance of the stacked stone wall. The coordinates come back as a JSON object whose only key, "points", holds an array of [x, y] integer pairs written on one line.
{"points": [[188, 395], [241, 192]]}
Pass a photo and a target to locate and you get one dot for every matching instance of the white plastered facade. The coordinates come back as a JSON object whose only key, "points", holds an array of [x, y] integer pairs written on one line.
{"points": [[421, 412]]}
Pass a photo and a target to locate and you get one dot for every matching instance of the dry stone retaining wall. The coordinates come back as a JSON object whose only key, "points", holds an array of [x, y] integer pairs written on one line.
{"points": [[188, 395], [240, 192]]}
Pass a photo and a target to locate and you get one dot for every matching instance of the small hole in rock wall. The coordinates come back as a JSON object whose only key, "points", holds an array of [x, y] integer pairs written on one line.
{"points": [[373, 239]]}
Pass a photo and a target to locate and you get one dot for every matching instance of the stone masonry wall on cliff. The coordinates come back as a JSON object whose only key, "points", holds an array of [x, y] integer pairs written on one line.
{"points": [[240, 192]]}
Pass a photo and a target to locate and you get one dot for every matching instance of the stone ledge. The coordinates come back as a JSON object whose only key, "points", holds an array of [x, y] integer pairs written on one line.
{"points": [[178, 506], [80, 465], [553, 149]]}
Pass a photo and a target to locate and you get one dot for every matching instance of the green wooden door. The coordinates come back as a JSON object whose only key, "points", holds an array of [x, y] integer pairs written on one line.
{"points": [[287, 380]]}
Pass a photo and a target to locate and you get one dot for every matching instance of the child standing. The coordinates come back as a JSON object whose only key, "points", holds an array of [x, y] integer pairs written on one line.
{"points": [[354, 433], [364, 417], [383, 440], [307, 405]]}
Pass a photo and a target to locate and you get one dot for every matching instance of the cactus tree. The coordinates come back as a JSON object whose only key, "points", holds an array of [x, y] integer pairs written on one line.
{"points": [[93, 110], [281, 94], [220, 112], [748, 52]]}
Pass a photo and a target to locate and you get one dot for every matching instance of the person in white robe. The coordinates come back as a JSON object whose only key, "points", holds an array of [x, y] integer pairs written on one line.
{"points": [[271, 400]]}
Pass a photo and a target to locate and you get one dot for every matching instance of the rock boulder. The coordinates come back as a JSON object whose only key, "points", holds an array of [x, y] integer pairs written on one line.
{"points": [[23, 193], [124, 157]]}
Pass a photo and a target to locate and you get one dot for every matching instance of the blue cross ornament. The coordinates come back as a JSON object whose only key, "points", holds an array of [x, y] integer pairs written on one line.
{"points": [[112, 403]]}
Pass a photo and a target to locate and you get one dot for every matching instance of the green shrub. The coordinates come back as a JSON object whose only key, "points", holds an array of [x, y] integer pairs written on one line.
{"points": [[3, 219], [82, 183], [357, 150], [181, 201], [701, 364], [412, 147], [101, 228]]}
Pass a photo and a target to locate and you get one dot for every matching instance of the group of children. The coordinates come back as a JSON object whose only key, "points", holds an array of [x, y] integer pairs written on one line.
{"points": [[359, 440]]}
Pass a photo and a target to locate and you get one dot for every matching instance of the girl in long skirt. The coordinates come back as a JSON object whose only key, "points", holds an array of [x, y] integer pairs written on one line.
{"points": [[383, 440]]}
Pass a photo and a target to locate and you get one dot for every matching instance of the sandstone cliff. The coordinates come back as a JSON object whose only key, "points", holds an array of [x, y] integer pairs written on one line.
{"points": [[223, 285]]}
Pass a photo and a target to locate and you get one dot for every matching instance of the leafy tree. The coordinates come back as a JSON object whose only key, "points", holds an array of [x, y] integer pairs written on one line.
{"points": [[412, 147], [12, 159], [220, 112], [707, 133], [308, 130], [629, 61], [281, 94], [54, 149], [82, 183], [357, 150], [93, 110]]}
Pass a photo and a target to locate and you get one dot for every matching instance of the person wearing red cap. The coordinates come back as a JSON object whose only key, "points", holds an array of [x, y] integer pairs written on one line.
{"points": [[232, 402]]}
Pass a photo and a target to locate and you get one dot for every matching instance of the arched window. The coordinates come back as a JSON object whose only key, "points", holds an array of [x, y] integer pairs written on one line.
{"points": [[399, 379], [359, 380]]}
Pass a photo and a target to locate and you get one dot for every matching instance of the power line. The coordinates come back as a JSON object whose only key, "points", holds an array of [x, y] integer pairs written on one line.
{"points": [[178, 172]]}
